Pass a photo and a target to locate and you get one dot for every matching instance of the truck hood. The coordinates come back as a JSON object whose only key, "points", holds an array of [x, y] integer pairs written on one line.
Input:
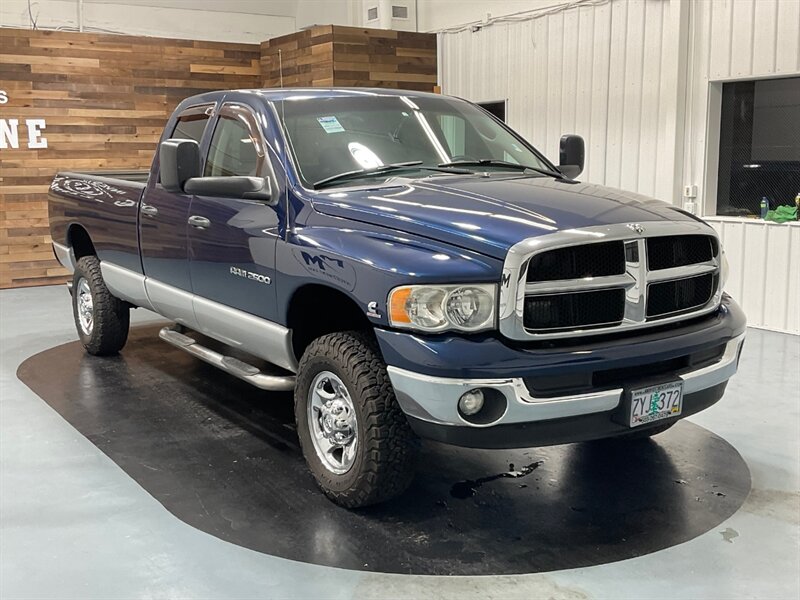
{"points": [[490, 214]]}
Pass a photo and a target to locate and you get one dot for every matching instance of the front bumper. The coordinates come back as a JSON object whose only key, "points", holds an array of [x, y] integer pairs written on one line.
{"points": [[551, 432], [431, 400]]}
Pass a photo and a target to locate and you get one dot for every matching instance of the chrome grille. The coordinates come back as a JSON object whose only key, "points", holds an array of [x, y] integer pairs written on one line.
{"points": [[577, 262], [574, 309], [677, 251], [610, 278], [680, 295]]}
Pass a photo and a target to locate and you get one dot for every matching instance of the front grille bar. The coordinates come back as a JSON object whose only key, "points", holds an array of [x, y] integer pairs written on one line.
{"points": [[634, 281], [683, 272], [579, 285]]}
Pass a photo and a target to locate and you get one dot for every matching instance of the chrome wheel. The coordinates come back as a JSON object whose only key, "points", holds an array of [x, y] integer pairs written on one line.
{"points": [[332, 421], [85, 306]]}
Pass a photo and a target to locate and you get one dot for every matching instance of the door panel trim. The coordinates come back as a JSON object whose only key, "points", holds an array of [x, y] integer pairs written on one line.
{"points": [[255, 335], [171, 302], [125, 284]]}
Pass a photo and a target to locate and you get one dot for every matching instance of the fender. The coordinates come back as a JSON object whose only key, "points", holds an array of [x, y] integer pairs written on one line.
{"points": [[366, 263]]}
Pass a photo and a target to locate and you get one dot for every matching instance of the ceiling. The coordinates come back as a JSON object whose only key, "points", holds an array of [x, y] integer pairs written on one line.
{"points": [[284, 8]]}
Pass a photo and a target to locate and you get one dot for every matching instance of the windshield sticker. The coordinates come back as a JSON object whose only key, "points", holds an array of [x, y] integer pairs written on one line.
{"points": [[330, 124]]}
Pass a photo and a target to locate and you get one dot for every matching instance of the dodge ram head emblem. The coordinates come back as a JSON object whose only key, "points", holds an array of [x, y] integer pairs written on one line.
{"points": [[635, 227]]}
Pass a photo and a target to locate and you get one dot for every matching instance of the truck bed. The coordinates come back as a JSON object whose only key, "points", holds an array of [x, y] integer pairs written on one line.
{"points": [[130, 176], [104, 204]]}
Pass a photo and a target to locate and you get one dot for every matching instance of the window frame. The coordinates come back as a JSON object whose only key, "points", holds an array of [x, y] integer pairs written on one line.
{"points": [[206, 108], [703, 201], [233, 110]]}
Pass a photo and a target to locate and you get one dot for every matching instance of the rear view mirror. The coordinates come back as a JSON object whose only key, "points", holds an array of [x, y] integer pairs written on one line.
{"points": [[572, 154], [179, 161], [239, 187]]}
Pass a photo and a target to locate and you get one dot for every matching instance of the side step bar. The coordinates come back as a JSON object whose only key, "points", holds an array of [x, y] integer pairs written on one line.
{"points": [[229, 364]]}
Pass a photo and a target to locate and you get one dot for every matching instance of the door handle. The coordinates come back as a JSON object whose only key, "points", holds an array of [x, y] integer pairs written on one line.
{"points": [[199, 222], [149, 210]]}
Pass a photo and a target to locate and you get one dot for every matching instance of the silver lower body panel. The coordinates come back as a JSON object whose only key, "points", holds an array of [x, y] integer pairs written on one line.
{"points": [[257, 336], [64, 256]]}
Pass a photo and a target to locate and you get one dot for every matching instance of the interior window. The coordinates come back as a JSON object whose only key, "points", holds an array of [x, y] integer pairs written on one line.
{"points": [[454, 129], [236, 148], [191, 124], [759, 146], [331, 136]]}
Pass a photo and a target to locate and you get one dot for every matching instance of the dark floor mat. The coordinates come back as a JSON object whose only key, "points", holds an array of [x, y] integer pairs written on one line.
{"points": [[224, 457]]}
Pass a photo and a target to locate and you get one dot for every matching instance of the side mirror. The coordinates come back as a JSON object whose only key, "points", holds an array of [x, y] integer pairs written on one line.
{"points": [[239, 187], [572, 153], [179, 161]]}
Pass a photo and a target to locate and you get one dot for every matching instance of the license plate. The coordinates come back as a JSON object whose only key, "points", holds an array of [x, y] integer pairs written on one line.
{"points": [[656, 402]]}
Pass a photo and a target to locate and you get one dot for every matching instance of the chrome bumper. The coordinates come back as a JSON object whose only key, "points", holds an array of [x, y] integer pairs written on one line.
{"points": [[435, 399]]}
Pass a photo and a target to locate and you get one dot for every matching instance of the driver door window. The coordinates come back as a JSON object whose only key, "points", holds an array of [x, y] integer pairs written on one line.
{"points": [[236, 147]]}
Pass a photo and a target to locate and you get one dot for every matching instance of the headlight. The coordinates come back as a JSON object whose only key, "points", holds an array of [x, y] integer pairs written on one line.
{"points": [[468, 307]]}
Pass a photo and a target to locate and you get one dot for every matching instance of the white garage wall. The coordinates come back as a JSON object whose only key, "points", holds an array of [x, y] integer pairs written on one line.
{"points": [[247, 21], [640, 80], [743, 39], [732, 39], [764, 277], [607, 72], [439, 14], [159, 18]]}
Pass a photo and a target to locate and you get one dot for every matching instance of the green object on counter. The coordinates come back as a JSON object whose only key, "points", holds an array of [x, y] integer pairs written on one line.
{"points": [[782, 214]]}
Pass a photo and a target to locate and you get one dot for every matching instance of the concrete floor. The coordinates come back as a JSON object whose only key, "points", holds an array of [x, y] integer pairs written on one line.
{"points": [[74, 525]]}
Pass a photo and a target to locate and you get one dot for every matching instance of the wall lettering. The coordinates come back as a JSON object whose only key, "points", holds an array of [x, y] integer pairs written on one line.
{"points": [[9, 130]]}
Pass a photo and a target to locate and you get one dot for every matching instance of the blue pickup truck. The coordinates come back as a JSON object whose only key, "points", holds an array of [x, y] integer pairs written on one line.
{"points": [[411, 268]]}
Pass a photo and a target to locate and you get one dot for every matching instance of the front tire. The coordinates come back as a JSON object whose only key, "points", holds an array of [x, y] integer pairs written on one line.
{"points": [[355, 439], [102, 320]]}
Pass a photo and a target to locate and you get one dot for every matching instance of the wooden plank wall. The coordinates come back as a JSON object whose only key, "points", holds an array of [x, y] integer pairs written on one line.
{"points": [[105, 99], [334, 55]]}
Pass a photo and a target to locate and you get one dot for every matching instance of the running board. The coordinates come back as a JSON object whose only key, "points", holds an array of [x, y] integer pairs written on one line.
{"points": [[229, 364]]}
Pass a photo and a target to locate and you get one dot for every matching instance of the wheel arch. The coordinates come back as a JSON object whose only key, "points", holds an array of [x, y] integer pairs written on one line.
{"points": [[316, 309], [80, 242]]}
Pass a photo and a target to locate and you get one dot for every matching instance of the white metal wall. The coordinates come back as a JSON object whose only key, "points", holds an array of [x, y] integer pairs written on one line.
{"points": [[730, 40], [640, 81], [764, 277], [597, 71], [743, 39]]}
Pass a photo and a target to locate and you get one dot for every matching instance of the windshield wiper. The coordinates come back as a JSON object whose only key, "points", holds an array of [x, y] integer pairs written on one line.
{"points": [[492, 162], [382, 170]]}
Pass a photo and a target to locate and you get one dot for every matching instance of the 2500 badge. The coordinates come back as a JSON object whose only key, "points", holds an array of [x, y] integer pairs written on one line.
{"points": [[250, 275]]}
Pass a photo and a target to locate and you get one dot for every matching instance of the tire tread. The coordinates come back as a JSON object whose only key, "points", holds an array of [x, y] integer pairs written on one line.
{"points": [[390, 447], [111, 315]]}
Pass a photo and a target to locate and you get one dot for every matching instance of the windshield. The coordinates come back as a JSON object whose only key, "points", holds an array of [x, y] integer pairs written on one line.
{"points": [[330, 136]]}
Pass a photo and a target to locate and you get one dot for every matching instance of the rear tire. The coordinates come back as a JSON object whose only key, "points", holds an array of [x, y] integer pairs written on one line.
{"points": [[102, 320], [355, 438]]}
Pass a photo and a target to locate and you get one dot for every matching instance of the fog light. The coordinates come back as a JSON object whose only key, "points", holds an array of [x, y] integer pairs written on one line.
{"points": [[471, 402]]}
